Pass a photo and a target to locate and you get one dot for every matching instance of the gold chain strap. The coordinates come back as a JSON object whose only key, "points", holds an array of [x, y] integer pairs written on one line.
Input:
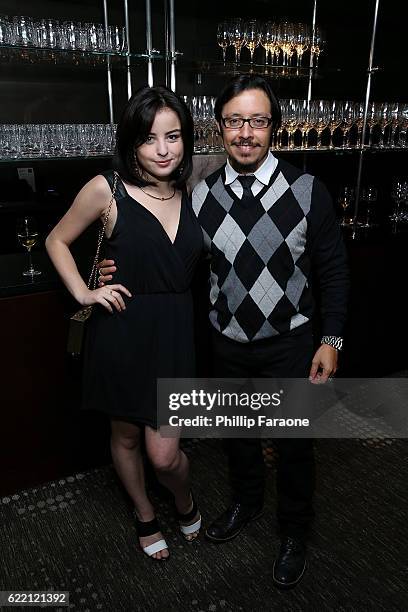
{"points": [[101, 235]]}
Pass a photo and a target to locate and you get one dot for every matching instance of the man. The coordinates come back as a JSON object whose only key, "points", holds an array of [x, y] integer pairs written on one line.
{"points": [[269, 228]]}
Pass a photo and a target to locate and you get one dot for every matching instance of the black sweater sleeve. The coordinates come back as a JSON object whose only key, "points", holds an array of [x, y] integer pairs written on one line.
{"points": [[329, 261]]}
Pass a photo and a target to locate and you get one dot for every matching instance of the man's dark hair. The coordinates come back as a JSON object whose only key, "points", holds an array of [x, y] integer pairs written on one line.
{"points": [[241, 83], [135, 125]]}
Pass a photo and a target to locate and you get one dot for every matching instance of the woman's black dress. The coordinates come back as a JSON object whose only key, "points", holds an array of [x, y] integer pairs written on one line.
{"points": [[127, 351]]}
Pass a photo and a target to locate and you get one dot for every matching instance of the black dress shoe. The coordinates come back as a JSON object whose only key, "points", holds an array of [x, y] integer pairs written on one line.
{"points": [[290, 563], [231, 522]]}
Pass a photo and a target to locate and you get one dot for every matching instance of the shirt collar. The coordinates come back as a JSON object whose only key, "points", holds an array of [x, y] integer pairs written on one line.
{"points": [[263, 174]]}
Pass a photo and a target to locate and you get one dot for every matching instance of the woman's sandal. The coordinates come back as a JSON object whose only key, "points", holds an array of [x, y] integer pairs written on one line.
{"points": [[149, 528], [188, 530]]}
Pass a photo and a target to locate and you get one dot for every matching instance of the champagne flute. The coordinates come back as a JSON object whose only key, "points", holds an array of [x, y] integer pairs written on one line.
{"points": [[27, 234]]}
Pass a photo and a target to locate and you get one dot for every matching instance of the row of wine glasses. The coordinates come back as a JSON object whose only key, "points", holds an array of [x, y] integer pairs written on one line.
{"points": [[367, 201], [56, 140], [321, 124], [339, 124], [206, 136], [368, 198], [284, 43], [48, 33]]}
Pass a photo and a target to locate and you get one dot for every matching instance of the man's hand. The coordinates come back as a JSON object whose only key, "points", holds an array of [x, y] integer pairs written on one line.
{"points": [[106, 269], [324, 364]]}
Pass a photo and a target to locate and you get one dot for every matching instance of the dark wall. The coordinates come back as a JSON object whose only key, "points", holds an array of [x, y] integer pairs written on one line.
{"points": [[46, 93], [63, 93]]}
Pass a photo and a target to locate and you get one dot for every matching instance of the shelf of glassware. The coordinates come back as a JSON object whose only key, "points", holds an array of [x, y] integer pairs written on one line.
{"points": [[336, 150], [38, 158], [217, 153], [220, 68], [74, 57]]}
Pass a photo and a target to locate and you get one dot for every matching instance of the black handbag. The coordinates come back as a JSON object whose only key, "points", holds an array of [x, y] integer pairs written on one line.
{"points": [[78, 321]]}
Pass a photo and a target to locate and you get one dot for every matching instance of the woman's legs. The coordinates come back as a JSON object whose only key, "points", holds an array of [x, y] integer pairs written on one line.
{"points": [[128, 462], [172, 469]]}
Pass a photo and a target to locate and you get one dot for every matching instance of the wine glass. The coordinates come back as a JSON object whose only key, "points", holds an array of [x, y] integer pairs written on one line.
{"points": [[399, 195], [236, 35], [252, 34], [345, 198], [369, 196], [27, 234], [302, 41], [317, 46], [266, 39], [223, 38]]}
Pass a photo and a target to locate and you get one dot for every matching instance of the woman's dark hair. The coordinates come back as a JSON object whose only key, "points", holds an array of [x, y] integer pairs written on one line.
{"points": [[135, 125], [241, 83]]}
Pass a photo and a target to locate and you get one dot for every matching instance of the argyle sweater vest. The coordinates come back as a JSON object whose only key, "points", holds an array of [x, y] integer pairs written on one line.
{"points": [[263, 255]]}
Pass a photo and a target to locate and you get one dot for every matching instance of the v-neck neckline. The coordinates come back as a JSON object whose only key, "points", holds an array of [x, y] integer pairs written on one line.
{"points": [[172, 242]]}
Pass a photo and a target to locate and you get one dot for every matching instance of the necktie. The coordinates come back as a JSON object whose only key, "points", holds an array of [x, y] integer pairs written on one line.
{"points": [[247, 182]]}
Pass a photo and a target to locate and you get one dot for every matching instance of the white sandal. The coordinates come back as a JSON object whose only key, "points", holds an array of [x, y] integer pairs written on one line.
{"points": [[149, 528], [187, 530]]}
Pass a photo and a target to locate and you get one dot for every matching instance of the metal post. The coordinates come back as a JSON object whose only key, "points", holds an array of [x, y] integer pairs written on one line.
{"points": [[371, 70], [309, 90], [129, 74], [108, 63], [166, 41], [149, 44], [172, 47]]}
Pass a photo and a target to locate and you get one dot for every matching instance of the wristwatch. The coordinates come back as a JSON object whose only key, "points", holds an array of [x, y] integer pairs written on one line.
{"points": [[334, 341]]}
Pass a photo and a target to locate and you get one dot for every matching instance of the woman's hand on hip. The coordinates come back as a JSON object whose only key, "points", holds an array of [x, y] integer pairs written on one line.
{"points": [[109, 296]]}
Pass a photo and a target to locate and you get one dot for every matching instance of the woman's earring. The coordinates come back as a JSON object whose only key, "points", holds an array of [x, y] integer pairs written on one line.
{"points": [[135, 163]]}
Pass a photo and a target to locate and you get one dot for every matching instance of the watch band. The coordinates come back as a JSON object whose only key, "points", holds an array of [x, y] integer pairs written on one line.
{"points": [[334, 341]]}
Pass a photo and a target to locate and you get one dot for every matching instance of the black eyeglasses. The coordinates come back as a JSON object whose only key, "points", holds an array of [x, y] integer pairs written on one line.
{"points": [[235, 123]]}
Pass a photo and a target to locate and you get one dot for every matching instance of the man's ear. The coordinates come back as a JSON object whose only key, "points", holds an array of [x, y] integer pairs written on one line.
{"points": [[219, 128]]}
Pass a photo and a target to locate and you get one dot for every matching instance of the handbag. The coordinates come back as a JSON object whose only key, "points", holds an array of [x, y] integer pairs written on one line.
{"points": [[78, 321]]}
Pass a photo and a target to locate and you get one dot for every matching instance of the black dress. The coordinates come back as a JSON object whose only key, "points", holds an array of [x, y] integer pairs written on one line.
{"points": [[127, 351]]}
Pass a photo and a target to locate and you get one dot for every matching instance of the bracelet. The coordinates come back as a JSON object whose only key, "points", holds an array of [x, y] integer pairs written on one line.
{"points": [[334, 341]]}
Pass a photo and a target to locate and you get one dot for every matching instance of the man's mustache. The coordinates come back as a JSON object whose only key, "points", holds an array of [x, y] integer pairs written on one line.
{"points": [[246, 142]]}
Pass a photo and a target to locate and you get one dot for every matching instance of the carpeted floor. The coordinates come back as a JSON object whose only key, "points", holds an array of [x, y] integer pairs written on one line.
{"points": [[77, 535]]}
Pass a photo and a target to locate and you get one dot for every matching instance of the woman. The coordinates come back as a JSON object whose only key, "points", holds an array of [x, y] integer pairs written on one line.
{"points": [[142, 327]]}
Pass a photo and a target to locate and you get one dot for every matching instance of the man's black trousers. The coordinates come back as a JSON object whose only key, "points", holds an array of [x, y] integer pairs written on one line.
{"points": [[285, 356]]}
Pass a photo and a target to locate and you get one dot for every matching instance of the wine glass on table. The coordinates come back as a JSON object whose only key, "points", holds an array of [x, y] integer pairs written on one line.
{"points": [[345, 198], [398, 194], [27, 234], [369, 196]]}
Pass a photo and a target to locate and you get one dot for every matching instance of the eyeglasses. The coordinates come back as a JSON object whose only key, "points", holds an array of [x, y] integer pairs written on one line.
{"points": [[235, 123]]}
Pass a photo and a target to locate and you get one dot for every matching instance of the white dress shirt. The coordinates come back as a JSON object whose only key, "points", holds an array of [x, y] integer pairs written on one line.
{"points": [[262, 176]]}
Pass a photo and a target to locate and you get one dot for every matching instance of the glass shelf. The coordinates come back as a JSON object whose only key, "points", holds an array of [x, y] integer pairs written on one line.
{"points": [[336, 150], [230, 68], [8, 160], [13, 54]]}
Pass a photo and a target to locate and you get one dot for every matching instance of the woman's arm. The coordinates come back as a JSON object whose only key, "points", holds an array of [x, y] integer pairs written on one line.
{"points": [[91, 203]]}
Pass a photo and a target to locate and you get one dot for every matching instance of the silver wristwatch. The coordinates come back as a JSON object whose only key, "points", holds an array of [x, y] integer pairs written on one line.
{"points": [[334, 341]]}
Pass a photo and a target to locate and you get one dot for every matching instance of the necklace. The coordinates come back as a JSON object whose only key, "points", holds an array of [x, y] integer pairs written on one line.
{"points": [[157, 197]]}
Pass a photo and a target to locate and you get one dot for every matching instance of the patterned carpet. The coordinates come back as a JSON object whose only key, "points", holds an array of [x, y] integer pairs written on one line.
{"points": [[77, 534]]}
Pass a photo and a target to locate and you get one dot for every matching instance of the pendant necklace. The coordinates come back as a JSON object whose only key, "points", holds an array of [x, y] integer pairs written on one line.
{"points": [[158, 197]]}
